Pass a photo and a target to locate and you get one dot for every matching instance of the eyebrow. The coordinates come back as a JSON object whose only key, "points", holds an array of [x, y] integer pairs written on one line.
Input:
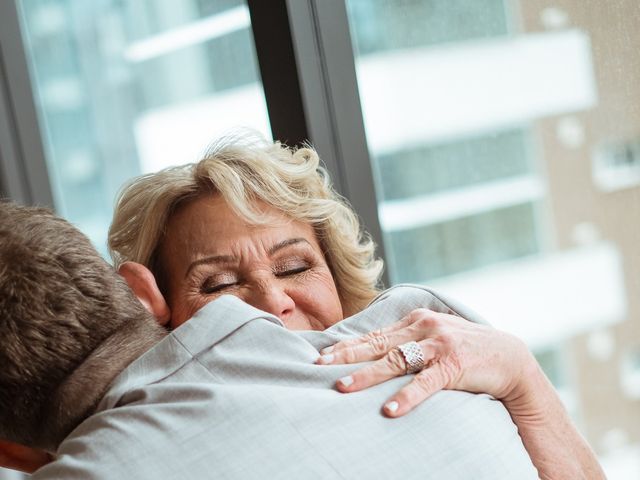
{"points": [[228, 258], [209, 260], [285, 244]]}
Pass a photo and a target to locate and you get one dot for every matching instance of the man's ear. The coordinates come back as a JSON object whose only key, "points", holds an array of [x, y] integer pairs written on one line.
{"points": [[144, 286], [24, 459]]}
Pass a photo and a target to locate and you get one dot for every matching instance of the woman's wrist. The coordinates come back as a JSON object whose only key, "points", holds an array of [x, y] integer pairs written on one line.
{"points": [[524, 380], [546, 428], [532, 394]]}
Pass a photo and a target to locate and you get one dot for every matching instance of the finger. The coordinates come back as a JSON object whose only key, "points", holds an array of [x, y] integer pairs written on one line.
{"points": [[393, 364], [402, 323], [390, 366], [418, 325], [425, 384], [374, 347]]}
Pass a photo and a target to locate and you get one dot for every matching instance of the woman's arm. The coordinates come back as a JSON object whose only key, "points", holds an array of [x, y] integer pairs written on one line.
{"points": [[555, 446], [462, 355]]}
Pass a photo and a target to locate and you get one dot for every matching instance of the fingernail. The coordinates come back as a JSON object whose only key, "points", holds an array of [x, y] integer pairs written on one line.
{"points": [[327, 358], [391, 406], [327, 350], [346, 381]]}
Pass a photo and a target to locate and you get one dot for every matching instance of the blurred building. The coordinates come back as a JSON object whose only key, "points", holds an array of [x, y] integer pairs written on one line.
{"points": [[507, 151], [506, 141]]}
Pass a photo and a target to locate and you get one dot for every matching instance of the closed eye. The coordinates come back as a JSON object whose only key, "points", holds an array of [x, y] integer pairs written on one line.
{"points": [[219, 282], [291, 266], [292, 271], [209, 289]]}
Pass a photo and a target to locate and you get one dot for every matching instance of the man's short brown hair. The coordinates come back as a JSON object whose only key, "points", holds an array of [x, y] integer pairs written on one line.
{"points": [[59, 300]]}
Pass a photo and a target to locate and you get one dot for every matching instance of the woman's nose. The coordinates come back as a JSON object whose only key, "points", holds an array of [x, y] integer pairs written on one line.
{"points": [[272, 298]]}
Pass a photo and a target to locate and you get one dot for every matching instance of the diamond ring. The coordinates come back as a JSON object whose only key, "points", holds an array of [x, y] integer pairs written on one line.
{"points": [[413, 356]]}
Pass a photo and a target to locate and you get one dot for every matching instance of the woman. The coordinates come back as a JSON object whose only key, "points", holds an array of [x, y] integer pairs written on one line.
{"points": [[261, 222]]}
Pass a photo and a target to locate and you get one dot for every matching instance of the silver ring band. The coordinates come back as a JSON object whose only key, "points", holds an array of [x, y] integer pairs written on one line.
{"points": [[413, 356]]}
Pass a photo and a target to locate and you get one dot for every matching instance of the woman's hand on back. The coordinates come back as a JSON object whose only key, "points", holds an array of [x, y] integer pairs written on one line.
{"points": [[461, 355], [458, 355]]}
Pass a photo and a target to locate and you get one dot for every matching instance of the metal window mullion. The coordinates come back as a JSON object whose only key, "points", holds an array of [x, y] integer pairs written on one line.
{"points": [[23, 158], [278, 71], [326, 67], [13, 183]]}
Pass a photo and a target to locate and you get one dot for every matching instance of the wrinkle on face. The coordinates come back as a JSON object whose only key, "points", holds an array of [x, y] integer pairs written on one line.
{"points": [[279, 267]]}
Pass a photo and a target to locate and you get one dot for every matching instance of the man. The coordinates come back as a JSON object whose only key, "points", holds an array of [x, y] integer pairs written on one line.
{"points": [[89, 377]]}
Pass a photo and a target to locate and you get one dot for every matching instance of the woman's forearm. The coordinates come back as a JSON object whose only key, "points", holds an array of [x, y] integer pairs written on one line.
{"points": [[556, 448]]}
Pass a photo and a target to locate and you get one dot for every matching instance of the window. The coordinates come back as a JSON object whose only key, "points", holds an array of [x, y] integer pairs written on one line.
{"points": [[126, 87], [454, 206], [616, 165], [493, 126]]}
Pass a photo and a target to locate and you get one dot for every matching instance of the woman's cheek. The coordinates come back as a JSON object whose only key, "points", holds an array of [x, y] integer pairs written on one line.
{"points": [[185, 306], [319, 297]]}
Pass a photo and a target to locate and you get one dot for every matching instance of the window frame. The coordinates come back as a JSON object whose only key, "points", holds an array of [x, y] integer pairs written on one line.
{"points": [[24, 175]]}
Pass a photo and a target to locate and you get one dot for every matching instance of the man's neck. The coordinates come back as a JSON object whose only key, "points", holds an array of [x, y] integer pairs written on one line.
{"points": [[79, 395]]}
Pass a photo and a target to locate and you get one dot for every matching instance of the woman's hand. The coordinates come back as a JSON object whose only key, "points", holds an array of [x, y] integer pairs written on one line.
{"points": [[458, 355], [461, 355]]}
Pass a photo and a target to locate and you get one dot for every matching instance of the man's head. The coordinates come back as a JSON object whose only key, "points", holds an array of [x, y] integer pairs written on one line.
{"points": [[59, 301]]}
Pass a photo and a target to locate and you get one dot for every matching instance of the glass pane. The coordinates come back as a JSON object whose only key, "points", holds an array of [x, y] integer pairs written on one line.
{"points": [[125, 87], [456, 245], [437, 167], [505, 141]]}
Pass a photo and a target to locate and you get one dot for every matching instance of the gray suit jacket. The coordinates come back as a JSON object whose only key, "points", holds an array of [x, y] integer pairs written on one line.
{"points": [[233, 394]]}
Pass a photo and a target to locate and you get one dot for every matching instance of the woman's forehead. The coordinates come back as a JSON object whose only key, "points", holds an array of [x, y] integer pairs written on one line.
{"points": [[209, 223], [213, 211]]}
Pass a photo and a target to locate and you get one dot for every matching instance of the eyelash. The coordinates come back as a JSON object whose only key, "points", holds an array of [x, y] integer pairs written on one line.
{"points": [[216, 288], [286, 273], [293, 271]]}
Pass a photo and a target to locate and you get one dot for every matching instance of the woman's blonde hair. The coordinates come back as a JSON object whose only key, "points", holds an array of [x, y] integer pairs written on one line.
{"points": [[243, 170]]}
